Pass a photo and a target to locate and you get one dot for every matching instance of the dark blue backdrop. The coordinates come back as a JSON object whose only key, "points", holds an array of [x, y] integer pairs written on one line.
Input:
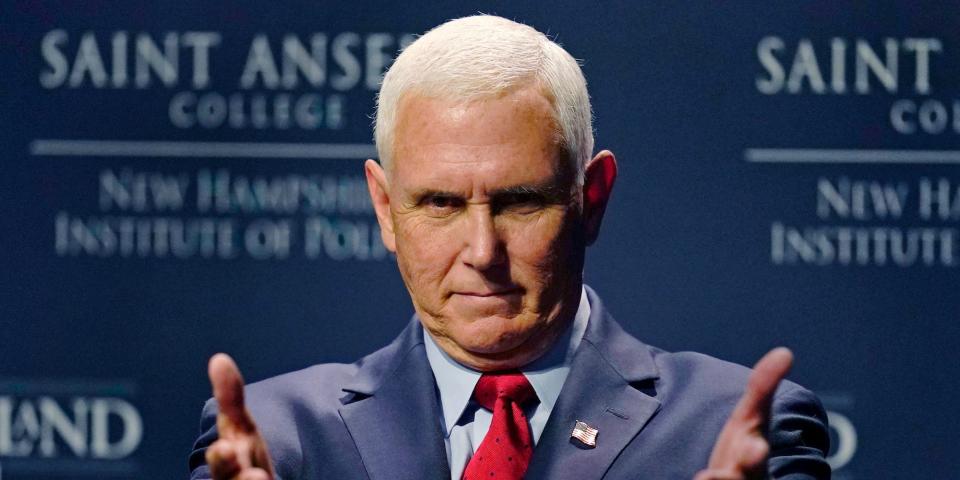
{"points": [[183, 178]]}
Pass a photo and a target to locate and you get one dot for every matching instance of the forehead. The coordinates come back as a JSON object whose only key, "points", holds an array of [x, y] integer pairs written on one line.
{"points": [[442, 143]]}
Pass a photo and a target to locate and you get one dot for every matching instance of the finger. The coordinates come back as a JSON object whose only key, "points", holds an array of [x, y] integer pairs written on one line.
{"points": [[717, 474], [227, 386], [222, 459], [766, 375], [253, 474], [753, 454], [740, 452]]}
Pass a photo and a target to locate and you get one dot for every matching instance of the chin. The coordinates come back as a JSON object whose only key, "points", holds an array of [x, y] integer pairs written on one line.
{"points": [[493, 342]]}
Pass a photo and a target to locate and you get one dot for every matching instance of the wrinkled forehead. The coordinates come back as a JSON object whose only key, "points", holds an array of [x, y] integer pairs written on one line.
{"points": [[521, 117], [513, 130]]}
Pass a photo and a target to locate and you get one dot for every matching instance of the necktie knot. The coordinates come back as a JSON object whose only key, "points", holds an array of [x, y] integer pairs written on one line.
{"points": [[510, 386]]}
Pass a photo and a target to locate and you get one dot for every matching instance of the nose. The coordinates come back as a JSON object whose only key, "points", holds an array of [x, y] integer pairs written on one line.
{"points": [[483, 248]]}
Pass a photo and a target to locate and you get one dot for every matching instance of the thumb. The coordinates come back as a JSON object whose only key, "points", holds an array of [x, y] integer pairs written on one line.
{"points": [[227, 386]]}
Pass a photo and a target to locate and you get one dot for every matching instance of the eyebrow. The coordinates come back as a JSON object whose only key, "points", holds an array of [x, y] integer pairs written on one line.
{"points": [[422, 193], [548, 190]]}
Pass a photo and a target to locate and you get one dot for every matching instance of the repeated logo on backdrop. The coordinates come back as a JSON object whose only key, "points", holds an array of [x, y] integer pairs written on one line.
{"points": [[73, 427], [863, 220], [285, 83]]}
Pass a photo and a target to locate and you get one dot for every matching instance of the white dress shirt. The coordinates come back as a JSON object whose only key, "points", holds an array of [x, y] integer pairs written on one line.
{"points": [[466, 422]]}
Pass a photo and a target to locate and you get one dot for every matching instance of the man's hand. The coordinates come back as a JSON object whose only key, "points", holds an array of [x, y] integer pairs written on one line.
{"points": [[240, 453], [741, 449]]}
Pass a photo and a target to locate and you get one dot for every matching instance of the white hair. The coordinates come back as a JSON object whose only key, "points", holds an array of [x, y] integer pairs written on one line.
{"points": [[481, 56]]}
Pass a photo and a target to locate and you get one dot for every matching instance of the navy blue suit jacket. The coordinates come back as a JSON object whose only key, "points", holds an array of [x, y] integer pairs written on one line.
{"points": [[658, 415]]}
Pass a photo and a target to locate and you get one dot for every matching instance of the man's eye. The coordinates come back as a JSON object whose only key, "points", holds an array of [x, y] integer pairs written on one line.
{"points": [[441, 203], [521, 202], [522, 198]]}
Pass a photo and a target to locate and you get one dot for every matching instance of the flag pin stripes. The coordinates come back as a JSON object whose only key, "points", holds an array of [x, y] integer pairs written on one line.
{"points": [[586, 434]]}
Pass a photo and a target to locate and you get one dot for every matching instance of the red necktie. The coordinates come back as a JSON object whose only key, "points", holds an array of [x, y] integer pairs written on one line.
{"points": [[505, 452]]}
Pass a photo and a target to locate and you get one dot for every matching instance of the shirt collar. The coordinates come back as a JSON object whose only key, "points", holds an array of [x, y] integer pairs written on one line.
{"points": [[547, 374]]}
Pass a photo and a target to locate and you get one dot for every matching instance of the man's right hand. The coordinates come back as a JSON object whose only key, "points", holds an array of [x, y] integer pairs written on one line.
{"points": [[240, 453]]}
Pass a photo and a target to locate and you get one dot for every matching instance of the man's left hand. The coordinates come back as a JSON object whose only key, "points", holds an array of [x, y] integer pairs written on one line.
{"points": [[741, 449]]}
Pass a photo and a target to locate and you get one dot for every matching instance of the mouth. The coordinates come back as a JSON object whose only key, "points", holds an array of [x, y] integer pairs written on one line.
{"points": [[491, 293]]}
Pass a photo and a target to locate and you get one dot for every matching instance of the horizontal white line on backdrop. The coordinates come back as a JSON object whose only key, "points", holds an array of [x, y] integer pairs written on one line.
{"points": [[821, 155], [138, 148]]}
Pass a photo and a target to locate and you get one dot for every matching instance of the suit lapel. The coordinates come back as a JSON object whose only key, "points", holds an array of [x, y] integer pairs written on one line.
{"points": [[600, 391], [392, 414]]}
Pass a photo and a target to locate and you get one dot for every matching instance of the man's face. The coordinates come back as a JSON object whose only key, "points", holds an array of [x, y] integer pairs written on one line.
{"points": [[484, 218]]}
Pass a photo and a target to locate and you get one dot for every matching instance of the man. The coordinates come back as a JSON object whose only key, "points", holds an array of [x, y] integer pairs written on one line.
{"points": [[488, 195]]}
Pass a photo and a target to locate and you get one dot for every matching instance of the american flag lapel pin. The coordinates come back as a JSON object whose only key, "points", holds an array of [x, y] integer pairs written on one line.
{"points": [[586, 434]]}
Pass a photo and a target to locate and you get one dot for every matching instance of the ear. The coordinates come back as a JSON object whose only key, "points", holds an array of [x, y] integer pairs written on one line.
{"points": [[380, 197], [598, 180]]}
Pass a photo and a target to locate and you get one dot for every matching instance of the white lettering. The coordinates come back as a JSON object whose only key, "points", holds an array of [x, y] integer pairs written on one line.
{"points": [[871, 65], [765, 53], [201, 43], [119, 70], [346, 59], [149, 58], [860, 200], [312, 64], [377, 58], [54, 419], [142, 192], [260, 63], [940, 200], [805, 66], [922, 47], [898, 116], [88, 61], [867, 61], [101, 410], [50, 50]]}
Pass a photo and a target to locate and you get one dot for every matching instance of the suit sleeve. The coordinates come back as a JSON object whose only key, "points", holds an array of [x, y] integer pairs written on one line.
{"points": [[208, 435], [799, 439]]}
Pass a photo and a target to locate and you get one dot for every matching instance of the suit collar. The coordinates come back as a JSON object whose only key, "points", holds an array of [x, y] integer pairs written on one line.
{"points": [[603, 390], [374, 369], [391, 411], [629, 357]]}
